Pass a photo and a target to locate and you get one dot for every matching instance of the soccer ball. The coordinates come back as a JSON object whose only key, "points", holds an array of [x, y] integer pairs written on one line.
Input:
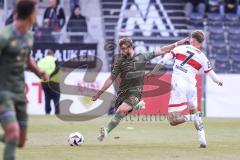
{"points": [[75, 139]]}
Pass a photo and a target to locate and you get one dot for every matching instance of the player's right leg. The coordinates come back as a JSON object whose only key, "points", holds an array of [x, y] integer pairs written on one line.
{"points": [[195, 116], [10, 127], [198, 123], [22, 118], [121, 112]]}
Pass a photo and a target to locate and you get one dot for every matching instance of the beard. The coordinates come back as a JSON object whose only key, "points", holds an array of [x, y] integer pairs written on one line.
{"points": [[125, 56]]}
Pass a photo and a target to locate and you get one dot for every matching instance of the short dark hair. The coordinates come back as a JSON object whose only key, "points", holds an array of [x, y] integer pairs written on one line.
{"points": [[198, 35], [50, 53], [126, 41], [25, 8]]}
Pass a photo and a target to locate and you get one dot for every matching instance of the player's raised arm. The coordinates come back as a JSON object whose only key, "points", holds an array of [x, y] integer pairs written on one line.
{"points": [[161, 63], [168, 48], [34, 68]]}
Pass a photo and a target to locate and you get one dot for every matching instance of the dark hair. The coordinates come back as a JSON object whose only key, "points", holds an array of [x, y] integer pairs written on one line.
{"points": [[25, 8], [198, 35], [50, 53], [125, 41], [76, 6]]}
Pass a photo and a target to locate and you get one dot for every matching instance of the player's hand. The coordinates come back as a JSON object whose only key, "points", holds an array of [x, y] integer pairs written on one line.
{"points": [[44, 76], [220, 83], [183, 41], [94, 98]]}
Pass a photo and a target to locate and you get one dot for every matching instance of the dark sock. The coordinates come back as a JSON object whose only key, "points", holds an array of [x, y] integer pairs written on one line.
{"points": [[2, 138], [9, 150], [114, 122]]}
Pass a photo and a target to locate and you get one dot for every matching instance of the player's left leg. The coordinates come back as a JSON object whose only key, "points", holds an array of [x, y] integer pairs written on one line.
{"points": [[127, 104], [176, 118], [22, 118]]}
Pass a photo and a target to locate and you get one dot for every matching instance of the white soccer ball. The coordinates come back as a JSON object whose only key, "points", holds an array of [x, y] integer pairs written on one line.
{"points": [[75, 139]]}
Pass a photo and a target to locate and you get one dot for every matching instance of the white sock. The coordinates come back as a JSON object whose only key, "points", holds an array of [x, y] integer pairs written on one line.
{"points": [[201, 137]]}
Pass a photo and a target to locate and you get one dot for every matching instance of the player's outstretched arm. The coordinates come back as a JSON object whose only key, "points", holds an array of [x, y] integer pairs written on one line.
{"points": [[34, 68], [215, 78], [168, 48], [105, 86], [162, 62]]}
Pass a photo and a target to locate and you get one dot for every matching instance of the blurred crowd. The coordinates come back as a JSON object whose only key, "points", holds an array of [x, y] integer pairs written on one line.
{"points": [[54, 20], [221, 7]]}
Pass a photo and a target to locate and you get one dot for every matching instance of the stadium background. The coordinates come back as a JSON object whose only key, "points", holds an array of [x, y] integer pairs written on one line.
{"points": [[151, 24]]}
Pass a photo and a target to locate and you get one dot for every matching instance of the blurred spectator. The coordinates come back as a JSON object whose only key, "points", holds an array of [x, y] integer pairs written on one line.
{"points": [[1, 3], [230, 6], [43, 34], [195, 6], [51, 88], [54, 16], [73, 3], [77, 22], [215, 6]]}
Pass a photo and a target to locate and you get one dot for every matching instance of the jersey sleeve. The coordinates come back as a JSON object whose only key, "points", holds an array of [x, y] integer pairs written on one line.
{"points": [[206, 64], [148, 55], [116, 68], [174, 51]]}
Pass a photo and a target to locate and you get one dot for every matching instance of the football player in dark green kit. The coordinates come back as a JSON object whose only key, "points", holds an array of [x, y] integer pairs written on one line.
{"points": [[131, 68], [16, 41]]}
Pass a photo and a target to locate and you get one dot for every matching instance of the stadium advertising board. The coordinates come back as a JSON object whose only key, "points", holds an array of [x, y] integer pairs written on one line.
{"points": [[223, 101], [72, 53], [156, 94]]}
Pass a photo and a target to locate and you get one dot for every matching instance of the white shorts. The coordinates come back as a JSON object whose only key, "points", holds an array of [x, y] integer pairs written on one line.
{"points": [[183, 94]]}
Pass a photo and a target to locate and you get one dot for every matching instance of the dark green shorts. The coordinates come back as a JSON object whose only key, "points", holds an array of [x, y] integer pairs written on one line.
{"points": [[131, 98], [12, 111]]}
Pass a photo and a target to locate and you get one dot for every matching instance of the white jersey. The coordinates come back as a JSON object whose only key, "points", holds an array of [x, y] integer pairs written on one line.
{"points": [[188, 61]]}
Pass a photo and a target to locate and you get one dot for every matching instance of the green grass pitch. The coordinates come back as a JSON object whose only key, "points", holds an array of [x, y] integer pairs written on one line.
{"points": [[47, 140]]}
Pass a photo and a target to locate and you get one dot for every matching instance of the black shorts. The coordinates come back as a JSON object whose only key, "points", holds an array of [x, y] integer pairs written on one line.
{"points": [[131, 98]]}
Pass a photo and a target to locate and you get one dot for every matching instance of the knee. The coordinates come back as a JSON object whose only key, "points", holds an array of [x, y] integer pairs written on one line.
{"points": [[12, 136], [122, 113], [171, 119], [21, 143], [172, 123]]}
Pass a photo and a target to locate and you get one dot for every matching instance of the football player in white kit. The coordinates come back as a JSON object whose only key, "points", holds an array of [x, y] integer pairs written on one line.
{"points": [[188, 60]]}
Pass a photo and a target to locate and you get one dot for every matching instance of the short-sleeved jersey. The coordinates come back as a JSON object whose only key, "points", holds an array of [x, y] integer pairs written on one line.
{"points": [[188, 61], [15, 49], [131, 71]]}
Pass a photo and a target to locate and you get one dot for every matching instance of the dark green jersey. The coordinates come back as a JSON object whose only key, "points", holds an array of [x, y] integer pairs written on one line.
{"points": [[132, 71], [15, 49]]}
